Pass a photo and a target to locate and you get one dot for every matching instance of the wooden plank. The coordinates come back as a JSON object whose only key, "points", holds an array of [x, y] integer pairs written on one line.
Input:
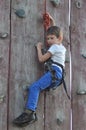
{"points": [[25, 69], [57, 113], [4, 60], [78, 40]]}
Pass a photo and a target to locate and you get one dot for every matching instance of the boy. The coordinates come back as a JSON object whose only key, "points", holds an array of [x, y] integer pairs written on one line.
{"points": [[56, 53]]}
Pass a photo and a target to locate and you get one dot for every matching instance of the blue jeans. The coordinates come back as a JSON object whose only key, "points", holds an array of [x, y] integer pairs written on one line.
{"points": [[44, 82]]}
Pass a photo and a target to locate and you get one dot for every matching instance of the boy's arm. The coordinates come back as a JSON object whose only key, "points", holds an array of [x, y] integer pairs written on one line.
{"points": [[52, 21], [42, 57], [48, 20]]}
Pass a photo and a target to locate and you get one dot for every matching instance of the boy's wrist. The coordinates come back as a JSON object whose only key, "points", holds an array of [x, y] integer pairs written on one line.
{"points": [[53, 22], [39, 49]]}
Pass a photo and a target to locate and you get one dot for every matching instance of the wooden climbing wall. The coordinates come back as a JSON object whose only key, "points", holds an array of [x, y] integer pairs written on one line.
{"points": [[19, 65], [78, 40], [25, 69], [4, 60]]}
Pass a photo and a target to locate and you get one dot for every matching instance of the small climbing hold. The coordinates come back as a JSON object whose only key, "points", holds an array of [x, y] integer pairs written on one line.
{"points": [[46, 19], [67, 60], [2, 98], [25, 88], [3, 35], [59, 121], [83, 54], [60, 117], [55, 2], [78, 4], [81, 92], [20, 13]]}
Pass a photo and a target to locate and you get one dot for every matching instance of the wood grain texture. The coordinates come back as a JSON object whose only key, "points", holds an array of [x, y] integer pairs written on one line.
{"points": [[78, 41], [4, 60], [25, 69]]}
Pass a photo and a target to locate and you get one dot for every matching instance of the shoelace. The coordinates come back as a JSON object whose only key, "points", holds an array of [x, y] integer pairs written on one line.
{"points": [[22, 116]]}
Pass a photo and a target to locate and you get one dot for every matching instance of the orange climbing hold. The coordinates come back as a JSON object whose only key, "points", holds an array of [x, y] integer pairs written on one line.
{"points": [[46, 19]]}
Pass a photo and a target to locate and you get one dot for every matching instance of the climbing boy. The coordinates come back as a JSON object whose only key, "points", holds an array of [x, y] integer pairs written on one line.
{"points": [[52, 77]]}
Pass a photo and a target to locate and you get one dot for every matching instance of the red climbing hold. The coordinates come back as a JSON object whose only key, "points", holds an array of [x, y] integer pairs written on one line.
{"points": [[46, 19]]}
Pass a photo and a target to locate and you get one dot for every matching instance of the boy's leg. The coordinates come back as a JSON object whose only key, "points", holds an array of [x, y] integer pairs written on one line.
{"points": [[29, 115], [35, 89]]}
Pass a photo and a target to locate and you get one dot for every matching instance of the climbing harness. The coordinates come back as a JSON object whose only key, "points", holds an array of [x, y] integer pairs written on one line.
{"points": [[48, 67]]}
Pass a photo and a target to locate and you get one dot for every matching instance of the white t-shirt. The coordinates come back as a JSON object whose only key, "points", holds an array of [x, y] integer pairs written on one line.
{"points": [[58, 53]]}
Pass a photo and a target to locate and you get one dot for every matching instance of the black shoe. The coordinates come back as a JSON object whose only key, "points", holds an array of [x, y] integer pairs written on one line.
{"points": [[25, 119]]}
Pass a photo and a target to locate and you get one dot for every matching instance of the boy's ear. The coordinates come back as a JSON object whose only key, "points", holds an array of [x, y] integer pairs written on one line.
{"points": [[61, 36]]}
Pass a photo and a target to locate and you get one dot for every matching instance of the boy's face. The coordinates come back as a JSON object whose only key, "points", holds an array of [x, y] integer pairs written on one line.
{"points": [[51, 39]]}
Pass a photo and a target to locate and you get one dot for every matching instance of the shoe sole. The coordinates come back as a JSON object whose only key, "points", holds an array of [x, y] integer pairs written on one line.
{"points": [[25, 124]]}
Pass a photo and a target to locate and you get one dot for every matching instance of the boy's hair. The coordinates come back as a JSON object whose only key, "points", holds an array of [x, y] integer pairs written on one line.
{"points": [[53, 30]]}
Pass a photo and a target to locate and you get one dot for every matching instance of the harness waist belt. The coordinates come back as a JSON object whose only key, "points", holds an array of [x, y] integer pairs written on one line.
{"points": [[58, 64]]}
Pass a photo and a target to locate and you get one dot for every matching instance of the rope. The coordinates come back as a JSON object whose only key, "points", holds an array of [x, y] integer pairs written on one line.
{"points": [[9, 76], [46, 22], [45, 45]]}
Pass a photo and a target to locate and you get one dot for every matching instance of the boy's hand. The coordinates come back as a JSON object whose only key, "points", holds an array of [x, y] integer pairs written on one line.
{"points": [[39, 45], [51, 18], [52, 21], [48, 20]]}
